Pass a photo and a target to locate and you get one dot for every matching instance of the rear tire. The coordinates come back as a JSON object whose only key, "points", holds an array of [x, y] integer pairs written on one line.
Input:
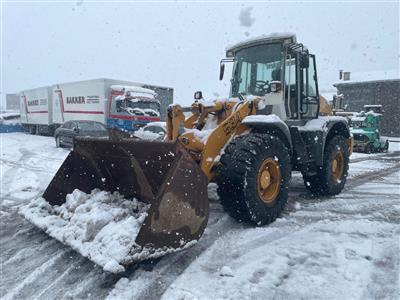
{"points": [[254, 178], [331, 177]]}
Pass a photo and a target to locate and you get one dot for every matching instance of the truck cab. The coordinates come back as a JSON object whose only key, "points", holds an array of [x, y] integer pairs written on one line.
{"points": [[131, 107]]}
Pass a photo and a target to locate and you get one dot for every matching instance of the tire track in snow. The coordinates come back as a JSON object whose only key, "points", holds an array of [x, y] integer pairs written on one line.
{"points": [[49, 289], [14, 293], [172, 266], [385, 270], [298, 193], [388, 155], [83, 278], [23, 266], [24, 166], [369, 176], [291, 226]]}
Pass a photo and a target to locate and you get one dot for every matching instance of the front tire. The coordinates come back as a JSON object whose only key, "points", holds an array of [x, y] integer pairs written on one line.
{"points": [[254, 178], [331, 177], [369, 148]]}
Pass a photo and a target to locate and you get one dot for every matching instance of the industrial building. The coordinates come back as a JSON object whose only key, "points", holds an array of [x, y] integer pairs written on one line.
{"points": [[378, 87]]}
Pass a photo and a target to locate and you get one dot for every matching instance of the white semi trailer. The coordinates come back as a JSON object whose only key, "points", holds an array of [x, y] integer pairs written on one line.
{"points": [[36, 110], [118, 104]]}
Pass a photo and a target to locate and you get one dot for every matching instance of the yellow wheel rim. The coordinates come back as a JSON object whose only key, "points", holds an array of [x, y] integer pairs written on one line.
{"points": [[337, 165], [269, 180]]}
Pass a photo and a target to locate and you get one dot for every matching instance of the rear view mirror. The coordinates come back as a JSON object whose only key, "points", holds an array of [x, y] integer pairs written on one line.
{"points": [[221, 71], [305, 61]]}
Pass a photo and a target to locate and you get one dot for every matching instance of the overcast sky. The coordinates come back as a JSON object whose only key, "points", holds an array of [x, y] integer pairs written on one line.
{"points": [[180, 44]]}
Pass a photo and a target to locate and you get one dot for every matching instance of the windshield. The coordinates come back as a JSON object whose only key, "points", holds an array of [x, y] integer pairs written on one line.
{"points": [[255, 68], [142, 104], [138, 107]]}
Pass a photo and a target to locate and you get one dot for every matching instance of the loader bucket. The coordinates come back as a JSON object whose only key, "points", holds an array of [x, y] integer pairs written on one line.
{"points": [[161, 174]]}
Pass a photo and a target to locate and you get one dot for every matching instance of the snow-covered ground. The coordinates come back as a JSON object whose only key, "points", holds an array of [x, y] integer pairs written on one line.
{"points": [[343, 247]]}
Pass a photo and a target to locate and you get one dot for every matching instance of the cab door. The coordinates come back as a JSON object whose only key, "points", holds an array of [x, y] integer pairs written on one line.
{"points": [[309, 96]]}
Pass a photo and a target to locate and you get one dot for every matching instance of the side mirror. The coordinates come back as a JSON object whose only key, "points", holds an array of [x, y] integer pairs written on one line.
{"points": [[76, 129], [221, 70], [305, 61], [198, 95]]}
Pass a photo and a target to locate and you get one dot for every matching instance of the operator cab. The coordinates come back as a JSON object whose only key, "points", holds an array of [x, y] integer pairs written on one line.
{"points": [[279, 69]]}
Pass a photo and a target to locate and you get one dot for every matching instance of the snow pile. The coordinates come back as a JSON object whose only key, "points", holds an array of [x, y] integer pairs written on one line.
{"points": [[151, 112], [201, 135], [264, 37], [372, 113], [147, 135], [226, 271], [10, 117], [358, 119], [101, 226]]}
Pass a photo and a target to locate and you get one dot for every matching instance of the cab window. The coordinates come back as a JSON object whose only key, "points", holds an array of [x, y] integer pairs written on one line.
{"points": [[309, 95]]}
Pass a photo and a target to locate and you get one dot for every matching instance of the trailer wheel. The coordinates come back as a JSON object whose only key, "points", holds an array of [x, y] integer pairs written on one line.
{"points": [[331, 177], [254, 177], [32, 129]]}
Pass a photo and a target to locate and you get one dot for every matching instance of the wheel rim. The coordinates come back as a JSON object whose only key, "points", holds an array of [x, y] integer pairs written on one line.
{"points": [[269, 180], [337, 165]]}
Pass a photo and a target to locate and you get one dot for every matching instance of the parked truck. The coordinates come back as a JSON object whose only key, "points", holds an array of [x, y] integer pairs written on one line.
{"points": [[117, 104], [366, 130]]}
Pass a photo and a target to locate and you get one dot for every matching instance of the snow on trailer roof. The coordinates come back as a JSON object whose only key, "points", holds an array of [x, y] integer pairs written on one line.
{"points": [[133, 89], [289, 36]]}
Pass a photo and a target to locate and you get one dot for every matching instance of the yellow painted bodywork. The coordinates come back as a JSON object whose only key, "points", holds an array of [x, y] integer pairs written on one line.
{"points": [[350, 144], [205, 147], [324, 107]]}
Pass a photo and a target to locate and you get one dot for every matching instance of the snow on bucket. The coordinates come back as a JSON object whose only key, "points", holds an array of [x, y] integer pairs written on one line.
{"points": [[118, 202]]}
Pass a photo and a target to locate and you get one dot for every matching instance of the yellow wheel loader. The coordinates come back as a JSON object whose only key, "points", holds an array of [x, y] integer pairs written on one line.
{"points": [[248, 144]]}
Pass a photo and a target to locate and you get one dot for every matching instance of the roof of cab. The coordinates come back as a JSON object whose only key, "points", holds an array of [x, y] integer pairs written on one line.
{"points": [[263, 39]]}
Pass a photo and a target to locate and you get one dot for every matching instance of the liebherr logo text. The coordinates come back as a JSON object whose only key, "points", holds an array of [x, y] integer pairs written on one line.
{"points": [[76, 100]]}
